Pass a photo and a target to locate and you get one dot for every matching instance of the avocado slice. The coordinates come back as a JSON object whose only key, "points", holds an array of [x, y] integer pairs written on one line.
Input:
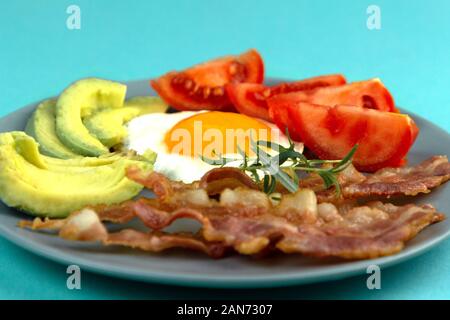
{"points": [[31, 151], [80, 100], [31, 183], [108, 124], [41, 126], [81, 164], [84, 161]]}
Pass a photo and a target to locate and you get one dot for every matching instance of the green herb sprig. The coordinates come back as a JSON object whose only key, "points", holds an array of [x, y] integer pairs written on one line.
{"points": [[283, 167]]}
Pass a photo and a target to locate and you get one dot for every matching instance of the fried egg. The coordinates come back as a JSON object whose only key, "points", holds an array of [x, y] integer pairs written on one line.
{"points": [[181, 139]]}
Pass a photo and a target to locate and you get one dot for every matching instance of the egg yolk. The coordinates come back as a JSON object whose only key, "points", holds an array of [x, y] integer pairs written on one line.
{"points": [[215, 132]]}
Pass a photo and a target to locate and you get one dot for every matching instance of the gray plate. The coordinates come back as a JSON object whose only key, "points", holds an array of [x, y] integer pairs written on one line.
{"points": [[194, 269]]}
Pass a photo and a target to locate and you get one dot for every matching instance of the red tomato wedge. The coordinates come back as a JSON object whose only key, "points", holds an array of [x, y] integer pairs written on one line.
{"points": [[370, 94], [278, 113], [250, 99], [384, 138], [202, 87]]}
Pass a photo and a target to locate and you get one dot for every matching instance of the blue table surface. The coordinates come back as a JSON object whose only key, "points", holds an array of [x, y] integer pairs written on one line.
{"points": [[125, 40]]}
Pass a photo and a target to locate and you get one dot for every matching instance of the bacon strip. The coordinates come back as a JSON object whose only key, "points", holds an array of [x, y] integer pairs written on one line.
{"points": [[157, 242], [368, 231], [85, 225], [219, 179], [214, 181], [408, 181], [387, 182], [364, 232], [157, 182], [246, 220], [379, 237]]}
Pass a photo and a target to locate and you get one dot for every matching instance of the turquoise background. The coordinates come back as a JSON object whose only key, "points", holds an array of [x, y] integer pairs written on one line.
{"points": [[126, 40]]}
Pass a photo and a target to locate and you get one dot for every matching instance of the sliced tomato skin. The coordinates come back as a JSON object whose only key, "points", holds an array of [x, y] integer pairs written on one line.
{"points": [[370, 94], [414, 133], [278, 108], [202, 87], [383, 138], [250, 99], [243, 96], [256, 72]]}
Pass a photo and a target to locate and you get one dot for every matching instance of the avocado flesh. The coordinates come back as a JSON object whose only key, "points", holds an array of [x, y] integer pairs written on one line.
{"points": [[31, 152], [108, 124], [87, 163], [42, 127], [31, 184], [80, 100], [84, 161]]}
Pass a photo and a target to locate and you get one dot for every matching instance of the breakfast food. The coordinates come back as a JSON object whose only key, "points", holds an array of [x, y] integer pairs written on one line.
{"points": [[203, 86], [370, 94], [53, 187], [46, 177], [231, 158], [181, 139], [247, 221], [331, 132], [108, 124], [251, 98], [41, 125], [80, 100]]}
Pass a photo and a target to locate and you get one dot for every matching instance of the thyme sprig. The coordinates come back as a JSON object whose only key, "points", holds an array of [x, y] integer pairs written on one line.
{"points": [[268, 170]]}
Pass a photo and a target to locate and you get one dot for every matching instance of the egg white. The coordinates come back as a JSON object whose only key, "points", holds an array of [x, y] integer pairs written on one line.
{"points": [[148, 132]]}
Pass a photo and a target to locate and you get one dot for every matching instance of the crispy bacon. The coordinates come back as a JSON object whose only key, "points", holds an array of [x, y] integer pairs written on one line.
{"points": [[157, 182], [408, 181], [157, 242], [364, 232], [387, 182], [347, 177], [296, 225], [367, 232], [242, 218], [85, 225], [214, 181], [219, 179]]}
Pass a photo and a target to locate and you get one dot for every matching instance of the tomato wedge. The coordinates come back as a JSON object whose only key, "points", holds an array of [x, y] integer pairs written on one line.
{"points": [[370, 94], [203, 86], [278, 107], [384, 138], [250, 99]]}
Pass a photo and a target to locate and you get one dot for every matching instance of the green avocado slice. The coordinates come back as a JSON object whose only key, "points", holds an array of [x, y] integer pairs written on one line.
{"points": [[41, 126], [80, 100], [30, 183], [108, 124], [30, 150]]}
